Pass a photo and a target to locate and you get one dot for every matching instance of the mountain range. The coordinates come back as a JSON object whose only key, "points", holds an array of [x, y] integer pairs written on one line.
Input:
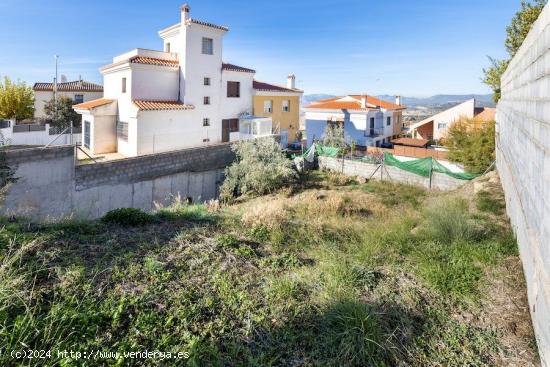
{"points": [[483, 100]]}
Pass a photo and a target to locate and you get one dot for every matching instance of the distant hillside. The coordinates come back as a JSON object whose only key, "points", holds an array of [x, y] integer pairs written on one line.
{"points": [[483, 100]]}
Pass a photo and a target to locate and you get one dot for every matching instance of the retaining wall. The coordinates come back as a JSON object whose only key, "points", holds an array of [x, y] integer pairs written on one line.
{"points": [[366, 170], [523, 162], [49, 186]]}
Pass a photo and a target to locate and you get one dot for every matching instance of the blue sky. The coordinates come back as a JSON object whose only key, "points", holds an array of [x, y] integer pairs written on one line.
{"points": [[408, 47]]}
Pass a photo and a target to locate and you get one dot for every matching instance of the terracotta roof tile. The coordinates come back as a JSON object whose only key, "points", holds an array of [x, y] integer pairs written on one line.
{"points": [[76, 86], [353, 102], [211, 25], [261, 86], [411, 142], [161, 105], [153, 61], [232, 67], [92, 104]]}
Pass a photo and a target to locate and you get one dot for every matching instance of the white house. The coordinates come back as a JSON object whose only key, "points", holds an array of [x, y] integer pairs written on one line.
{"points": [[79, 91], [367, 121], [183, 96], [435, 127]]}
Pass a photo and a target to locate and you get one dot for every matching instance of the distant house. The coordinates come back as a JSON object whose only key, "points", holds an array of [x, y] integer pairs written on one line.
{"points": [[280, 103], [367, 121], [435, 127], [79, 91]]}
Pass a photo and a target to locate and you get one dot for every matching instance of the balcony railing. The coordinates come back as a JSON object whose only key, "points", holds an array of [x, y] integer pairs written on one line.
{"points": [[372, 132]]}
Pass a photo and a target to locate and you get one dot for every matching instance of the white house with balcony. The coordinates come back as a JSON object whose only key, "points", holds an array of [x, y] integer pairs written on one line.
{"points": [[367, 121], [184, 96]]}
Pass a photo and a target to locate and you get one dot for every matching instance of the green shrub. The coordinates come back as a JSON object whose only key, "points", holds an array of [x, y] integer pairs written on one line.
{"points": [[449, 220], [261, 167], [127, 217], [352, 335], [486, 202]]}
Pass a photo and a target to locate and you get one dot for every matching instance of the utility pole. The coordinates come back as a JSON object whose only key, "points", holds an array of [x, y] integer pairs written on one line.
{"points": [[55, 89]]}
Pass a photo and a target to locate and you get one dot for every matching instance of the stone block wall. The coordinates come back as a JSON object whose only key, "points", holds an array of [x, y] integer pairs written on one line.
{"points": [[366, 170], [523, 162], [50, 187]]}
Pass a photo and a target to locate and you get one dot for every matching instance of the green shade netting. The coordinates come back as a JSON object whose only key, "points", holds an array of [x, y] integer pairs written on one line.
{"points": [[424, 167], [319, 150]]}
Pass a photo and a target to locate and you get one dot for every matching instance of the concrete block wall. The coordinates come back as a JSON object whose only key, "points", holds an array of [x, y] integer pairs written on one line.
{"points": [[361, 169], [523, 162], [50, 187]]}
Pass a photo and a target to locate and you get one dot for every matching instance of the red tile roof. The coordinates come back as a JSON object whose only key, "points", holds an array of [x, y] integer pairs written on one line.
{"points": [[232, 67], [354, 103], [211, 25], [261, 86], [153, 61], [92, 104], [76, 86], [411, 142], [161, 105]]}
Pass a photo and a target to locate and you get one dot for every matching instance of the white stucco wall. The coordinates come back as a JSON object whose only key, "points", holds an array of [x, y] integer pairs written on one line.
{"points": [[448, 117], [355, 125], [232, 107]]}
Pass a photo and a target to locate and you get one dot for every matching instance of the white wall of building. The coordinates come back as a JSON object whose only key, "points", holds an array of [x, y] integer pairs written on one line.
{"points": [[356, 125], [231, 107], [150, 82], [448, 117]]}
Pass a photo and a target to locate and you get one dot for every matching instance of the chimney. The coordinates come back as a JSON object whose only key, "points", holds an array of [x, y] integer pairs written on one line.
{"points": [[291, 81], [184, 13], [398, 100], [364, 101]]}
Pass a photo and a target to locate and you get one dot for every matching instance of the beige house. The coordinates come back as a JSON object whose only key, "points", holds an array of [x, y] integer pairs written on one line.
{"points": [[79, 91], [435, 127]]}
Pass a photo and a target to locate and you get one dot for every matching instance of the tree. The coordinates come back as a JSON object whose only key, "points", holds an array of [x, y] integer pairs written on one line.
{"points": [[474, 148], [334, 136], [16, 100], [260, 168], [515, 35], [64, 114]]}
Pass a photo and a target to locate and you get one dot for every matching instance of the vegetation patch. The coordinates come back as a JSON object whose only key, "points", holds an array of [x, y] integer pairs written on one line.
{"points": [[284, 279]]}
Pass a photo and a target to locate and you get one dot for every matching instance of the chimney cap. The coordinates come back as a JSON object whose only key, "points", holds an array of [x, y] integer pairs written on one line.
{"points": [[185, 8]]}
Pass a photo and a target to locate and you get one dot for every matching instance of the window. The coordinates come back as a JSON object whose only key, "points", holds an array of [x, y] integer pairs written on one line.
{"points": [[207, 46], [442, 125], [167, 47], [123, 85], [78, 98], [206, 100], [122, 130], [286, 105], [87, 134], [206, 81], [268, 106], [205, 122], [388, 121], [233, 89]]}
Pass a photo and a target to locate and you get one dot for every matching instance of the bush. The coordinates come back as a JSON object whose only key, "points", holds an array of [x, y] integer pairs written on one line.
{"points": [[449, 220], [127, 217], [474, 148], [260, 168]]}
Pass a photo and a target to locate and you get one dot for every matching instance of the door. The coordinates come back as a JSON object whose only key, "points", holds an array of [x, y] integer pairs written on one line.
{"points": [[225, 131]]}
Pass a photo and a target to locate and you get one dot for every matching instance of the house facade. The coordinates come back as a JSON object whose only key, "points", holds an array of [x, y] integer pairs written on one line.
{"points": [[367, 121], [184, 96], [79, 91], [280, 103], [435, 127]]}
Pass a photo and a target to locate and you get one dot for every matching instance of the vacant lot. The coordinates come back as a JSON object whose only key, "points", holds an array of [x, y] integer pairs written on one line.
{"points": [[330, 273]]}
